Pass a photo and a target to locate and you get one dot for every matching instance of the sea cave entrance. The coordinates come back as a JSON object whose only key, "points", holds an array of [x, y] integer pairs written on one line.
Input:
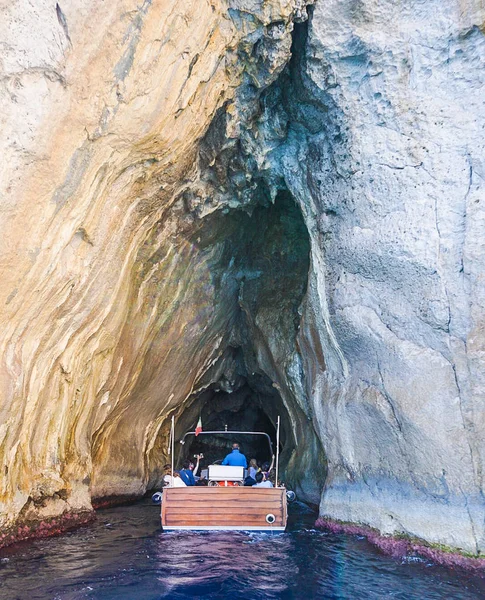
{"points": [[244, 406]]}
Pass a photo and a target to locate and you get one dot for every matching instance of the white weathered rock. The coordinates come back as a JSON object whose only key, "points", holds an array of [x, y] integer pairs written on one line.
{"points": [[392, 191]]}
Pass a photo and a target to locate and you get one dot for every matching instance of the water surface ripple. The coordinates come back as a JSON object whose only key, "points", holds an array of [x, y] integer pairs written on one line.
{"points": [[124, 555]]}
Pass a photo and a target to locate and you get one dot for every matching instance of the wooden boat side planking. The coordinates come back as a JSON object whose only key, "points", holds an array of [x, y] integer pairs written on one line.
{"points": [[223, 508]]}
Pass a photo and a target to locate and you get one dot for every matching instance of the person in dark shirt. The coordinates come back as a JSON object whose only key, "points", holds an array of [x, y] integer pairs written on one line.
{"points": [[249, 481], [189, 471], [266, 468], [235, 458]]}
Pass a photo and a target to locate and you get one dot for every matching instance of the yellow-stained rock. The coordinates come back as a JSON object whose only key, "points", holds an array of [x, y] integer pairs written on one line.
{"points": [[103, 106]]}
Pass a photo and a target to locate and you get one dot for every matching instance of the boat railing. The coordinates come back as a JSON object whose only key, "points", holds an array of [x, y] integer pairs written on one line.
{"points": [[230, 432]]}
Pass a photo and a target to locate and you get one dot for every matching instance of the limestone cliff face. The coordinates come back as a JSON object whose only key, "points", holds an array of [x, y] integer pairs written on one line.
{"points": [[103, 301], [389, 175], [185, 210]]}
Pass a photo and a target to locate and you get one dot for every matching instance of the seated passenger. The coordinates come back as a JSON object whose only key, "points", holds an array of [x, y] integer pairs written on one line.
{"points": [[202, 481], [267, 468], [272, 476], [249, 481], [189, 470], [253, 468], [261, 481], [172, 481], [235, 458]]}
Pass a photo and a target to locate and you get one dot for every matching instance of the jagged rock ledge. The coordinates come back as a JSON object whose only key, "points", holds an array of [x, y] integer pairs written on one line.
{"points": [[402, 547], [45, 528]]}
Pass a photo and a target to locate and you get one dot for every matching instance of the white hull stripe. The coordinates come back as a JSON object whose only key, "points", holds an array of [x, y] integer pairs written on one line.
{"points": [[219, 528]]}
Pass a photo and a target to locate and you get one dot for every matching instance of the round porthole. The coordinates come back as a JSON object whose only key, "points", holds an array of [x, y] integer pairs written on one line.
{"points": [[270, 518], [157, 498]]}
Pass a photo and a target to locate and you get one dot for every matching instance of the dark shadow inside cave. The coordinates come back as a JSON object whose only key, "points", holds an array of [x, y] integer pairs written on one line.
{"points": [[256, 263], [243, 410], [261, 271]]}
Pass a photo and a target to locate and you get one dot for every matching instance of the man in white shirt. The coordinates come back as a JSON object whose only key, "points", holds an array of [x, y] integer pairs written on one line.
{"points": [[172, 481]]}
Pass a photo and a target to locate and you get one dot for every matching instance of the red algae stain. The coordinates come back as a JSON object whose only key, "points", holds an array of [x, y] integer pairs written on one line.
{"points": [[59, 525], [399, 548], [46, 528], [111, 501]]}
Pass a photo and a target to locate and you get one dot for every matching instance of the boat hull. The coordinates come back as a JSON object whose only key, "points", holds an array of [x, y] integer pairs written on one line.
{"points": [[224, 509]]}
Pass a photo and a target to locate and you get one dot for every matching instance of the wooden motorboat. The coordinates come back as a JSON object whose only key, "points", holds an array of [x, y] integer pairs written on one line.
{"points": [[225, 505], [232, 508]]}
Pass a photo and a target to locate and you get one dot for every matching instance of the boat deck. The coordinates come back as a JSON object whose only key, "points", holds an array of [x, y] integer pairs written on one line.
{"points": [[224, 508]]}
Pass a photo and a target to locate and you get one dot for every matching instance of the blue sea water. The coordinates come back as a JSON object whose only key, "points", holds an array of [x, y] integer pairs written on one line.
{"points": [[124, 555]]}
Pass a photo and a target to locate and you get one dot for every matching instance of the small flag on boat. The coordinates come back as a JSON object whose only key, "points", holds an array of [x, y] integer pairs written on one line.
{"points": [[198, 428]]}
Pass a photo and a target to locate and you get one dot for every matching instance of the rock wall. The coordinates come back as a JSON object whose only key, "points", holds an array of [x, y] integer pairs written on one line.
{"points": [[143, 261], [106, 303], [386, 158]]}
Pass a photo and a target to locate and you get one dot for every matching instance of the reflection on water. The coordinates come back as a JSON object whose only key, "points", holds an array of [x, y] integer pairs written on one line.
{"points": [[124, 555]]}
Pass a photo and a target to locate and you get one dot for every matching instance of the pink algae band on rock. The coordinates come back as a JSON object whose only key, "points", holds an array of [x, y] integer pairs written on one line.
{"points": [[110, 501], [45, 528], [399, 548], [58, 525]]}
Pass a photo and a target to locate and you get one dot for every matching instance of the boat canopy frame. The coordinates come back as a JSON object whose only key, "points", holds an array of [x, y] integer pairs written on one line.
{"points": [[226, 432]]}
